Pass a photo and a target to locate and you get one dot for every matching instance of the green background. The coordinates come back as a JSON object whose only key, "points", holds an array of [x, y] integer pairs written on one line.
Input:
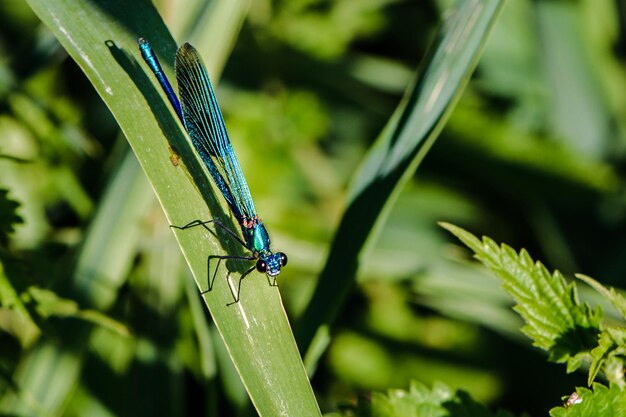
{"points": [[531, 156]]}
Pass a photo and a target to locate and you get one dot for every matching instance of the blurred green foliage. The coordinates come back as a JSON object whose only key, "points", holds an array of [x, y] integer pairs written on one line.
{"points": [[533, 156]]}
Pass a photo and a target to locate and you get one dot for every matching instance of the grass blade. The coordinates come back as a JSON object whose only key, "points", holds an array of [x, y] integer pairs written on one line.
{"points": [[101, 37], [396, 155]]}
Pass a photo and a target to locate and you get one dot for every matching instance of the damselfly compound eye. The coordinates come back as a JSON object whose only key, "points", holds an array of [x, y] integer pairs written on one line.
{"points": [[261, 266]]}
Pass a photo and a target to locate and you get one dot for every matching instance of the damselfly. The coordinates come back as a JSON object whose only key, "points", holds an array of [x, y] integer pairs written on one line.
{"points": [[200, 114]]}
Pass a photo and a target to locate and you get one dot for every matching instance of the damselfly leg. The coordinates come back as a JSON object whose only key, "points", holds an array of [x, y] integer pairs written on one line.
{"points": [[211, 277]]}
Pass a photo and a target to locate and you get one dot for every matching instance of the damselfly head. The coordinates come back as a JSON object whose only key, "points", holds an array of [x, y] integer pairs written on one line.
{"points": [[271, 264]]}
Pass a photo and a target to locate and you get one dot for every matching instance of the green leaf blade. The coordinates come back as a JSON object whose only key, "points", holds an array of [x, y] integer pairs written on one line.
{"points": [[396, 154], [102, 38]]}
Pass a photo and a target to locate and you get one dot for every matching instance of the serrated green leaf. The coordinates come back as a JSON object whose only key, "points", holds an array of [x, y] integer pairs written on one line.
{"points": [[555, 319], [420, 401], [609, 356], [600, 401], [8, 215], [617, 299]]}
